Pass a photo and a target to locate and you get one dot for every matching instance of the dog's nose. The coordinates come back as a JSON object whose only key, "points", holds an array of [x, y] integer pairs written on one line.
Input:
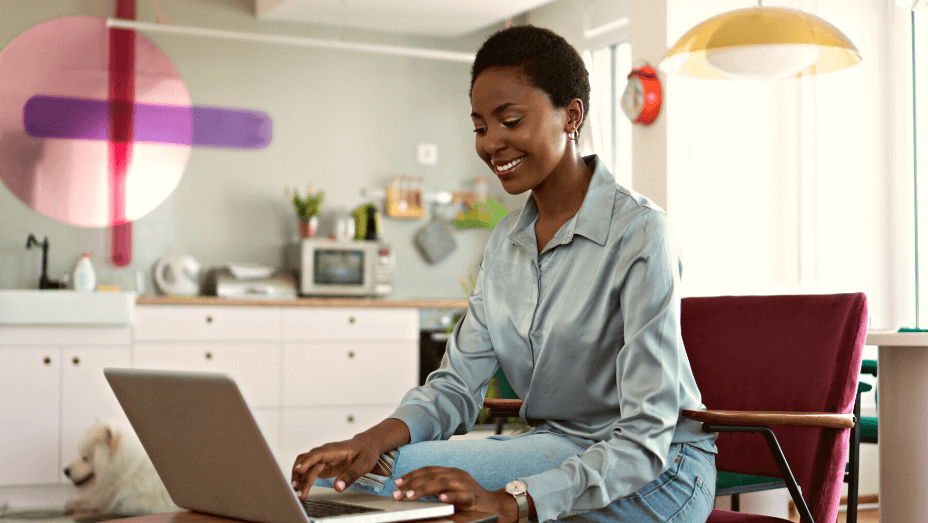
{"points": [[67, 471]]}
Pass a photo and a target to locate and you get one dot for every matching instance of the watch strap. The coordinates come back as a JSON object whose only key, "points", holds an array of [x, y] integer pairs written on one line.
{"points": [[522, 502], [517, 490]]}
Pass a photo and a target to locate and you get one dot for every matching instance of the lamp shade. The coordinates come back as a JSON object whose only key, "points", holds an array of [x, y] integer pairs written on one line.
{"points": [[761, 43]]}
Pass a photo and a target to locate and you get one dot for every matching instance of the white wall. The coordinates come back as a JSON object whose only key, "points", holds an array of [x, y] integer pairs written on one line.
{"points": [[342, 121]]}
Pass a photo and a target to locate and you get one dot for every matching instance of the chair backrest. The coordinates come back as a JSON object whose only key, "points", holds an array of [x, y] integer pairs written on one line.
{"points": [[781, 353]]}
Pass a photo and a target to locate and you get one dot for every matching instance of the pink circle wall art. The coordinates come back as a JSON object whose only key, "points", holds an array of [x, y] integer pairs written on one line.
{"points": [[56, 140]]}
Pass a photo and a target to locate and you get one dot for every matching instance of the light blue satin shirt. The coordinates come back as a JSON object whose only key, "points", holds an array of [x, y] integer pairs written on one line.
{"points": [[588, 334]]}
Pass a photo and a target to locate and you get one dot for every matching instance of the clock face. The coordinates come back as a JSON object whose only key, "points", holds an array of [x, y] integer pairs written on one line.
{"points": [[633, 98]]}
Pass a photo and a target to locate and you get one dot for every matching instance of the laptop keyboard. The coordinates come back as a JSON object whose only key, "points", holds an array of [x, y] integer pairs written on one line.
{"points": [[321, 509]]}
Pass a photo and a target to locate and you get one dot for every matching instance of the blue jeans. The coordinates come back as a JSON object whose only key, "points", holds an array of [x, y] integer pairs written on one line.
{"points": [[684, 492]]}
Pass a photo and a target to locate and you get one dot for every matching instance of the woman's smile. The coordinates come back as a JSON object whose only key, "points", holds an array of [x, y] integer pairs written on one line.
{"points": [[505, 167]]}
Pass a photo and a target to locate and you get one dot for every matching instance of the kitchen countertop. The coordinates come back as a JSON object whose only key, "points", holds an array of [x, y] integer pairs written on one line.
{"points": [[306, 302]]}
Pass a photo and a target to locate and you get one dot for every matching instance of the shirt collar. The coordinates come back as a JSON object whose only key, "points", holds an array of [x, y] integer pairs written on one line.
{"points": [[595, 214]]}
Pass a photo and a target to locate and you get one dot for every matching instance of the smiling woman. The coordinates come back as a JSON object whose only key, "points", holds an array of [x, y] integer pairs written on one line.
{"points": [[527, 121], [578, 302]]}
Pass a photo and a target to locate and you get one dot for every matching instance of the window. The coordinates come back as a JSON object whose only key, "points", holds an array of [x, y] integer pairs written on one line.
{"points": [[919, 43], [609, 132]]}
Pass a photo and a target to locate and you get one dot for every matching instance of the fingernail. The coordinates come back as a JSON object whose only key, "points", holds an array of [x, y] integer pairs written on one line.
{"points": [[340, 485], [410, 494], [397, 494], [295, 484], [443, 497], [399, 481]]}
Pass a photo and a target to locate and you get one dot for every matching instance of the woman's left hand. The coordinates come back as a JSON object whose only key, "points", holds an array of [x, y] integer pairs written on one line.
{"points": [[459, 488]]}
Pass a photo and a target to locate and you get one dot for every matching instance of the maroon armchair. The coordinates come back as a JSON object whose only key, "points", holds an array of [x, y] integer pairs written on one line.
{"points": [[798, 354], [779, 375]]}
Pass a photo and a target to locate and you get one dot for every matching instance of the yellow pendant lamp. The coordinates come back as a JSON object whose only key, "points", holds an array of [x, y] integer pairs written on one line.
{"points": [[761, 43]]}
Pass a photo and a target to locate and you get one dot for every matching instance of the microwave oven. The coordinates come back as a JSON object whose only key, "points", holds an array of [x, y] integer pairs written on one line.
{"points": [[345, 268]]}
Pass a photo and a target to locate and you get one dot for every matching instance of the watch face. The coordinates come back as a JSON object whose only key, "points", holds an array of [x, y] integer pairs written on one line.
{"points": [[633, 98], [515, 487]]}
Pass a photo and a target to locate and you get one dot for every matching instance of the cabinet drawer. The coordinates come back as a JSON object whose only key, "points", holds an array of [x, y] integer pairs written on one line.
{"points": [[182, 322], [350, 324], [303, 429], [349, 373], [255, 366]]}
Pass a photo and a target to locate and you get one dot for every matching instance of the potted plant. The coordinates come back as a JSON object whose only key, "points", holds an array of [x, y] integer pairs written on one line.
{"points": [[308, 210]]}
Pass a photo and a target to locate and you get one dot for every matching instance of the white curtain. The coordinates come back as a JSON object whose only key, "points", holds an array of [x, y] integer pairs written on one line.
{"points": [[595, 127], [607, 132]]}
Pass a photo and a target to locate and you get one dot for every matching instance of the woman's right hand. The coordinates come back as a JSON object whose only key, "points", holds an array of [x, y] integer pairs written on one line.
{"points": [[348, 460]]}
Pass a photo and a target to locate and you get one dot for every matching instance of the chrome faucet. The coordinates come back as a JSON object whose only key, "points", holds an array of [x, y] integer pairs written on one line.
{"points": [[44, 281]]}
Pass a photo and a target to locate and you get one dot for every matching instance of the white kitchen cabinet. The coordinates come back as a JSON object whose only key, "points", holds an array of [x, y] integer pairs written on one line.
{"points": [[241, 341], [255, 366], [48, 399], [341, 324], [206, 323], [310, 374], [309, 427], [86, 395], [349, 372], [344, 370], [30, 384]]}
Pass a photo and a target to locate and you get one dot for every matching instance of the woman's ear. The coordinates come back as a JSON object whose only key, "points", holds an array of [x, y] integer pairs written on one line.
{"points": [[575, 111]]}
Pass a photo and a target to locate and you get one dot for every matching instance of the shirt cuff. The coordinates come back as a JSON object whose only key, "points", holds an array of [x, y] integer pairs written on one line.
{"points": [[419, 423], [550, 491]]}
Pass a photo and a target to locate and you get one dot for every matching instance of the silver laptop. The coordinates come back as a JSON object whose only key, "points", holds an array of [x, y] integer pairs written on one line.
{"points": [[212, 457]]}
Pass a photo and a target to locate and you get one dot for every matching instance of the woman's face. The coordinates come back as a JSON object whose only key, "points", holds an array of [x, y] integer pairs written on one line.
{"points": [[520, 135]]}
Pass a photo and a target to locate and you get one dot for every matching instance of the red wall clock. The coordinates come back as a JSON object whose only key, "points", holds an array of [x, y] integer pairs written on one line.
{"points": [[641, 101]]}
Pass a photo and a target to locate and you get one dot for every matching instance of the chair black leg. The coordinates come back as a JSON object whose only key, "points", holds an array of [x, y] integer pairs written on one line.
{"points": [[500, 422], [791, 484], [853, 479]]}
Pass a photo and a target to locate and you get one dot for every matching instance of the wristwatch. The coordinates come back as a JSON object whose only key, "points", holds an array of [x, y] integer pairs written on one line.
{"points": [[517, 489]]}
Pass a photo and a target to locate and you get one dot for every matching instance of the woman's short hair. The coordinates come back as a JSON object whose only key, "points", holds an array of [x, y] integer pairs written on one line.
{"points": [[553, 65]]}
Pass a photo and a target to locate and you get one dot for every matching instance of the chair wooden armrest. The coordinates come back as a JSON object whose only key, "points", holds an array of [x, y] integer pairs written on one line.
{"points": [[496, 403], [769, 419], [502, 408]]}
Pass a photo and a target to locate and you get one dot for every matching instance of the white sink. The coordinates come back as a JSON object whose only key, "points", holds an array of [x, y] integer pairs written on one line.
{"points": [[63, 307]]}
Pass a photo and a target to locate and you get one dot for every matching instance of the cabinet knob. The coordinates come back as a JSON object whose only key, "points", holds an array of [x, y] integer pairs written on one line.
{"points": [[209, 355], [350, 319], [76, 360], [47, 360], [209, 319], [351, 354], [350, 419]]}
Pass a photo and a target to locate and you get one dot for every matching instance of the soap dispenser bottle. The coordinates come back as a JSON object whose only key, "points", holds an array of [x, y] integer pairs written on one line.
{"points": [[85, 279]]}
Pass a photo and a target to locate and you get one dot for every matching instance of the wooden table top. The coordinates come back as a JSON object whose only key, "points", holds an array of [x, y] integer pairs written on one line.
{"points": [[187, 516], [894, 338]]}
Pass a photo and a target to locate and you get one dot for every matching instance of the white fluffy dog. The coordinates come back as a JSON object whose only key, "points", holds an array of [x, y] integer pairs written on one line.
{"points": [[113, 475]]}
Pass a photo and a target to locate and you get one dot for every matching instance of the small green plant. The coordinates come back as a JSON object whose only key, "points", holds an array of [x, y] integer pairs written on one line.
{"points": [[309, 207]]}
